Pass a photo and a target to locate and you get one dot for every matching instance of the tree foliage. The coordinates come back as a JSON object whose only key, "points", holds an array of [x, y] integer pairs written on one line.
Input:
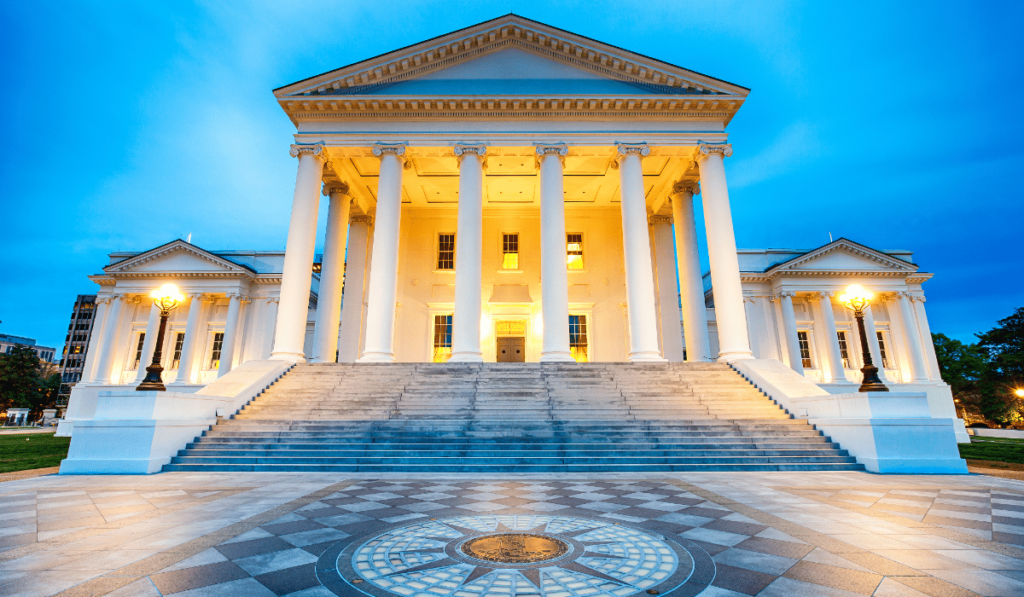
{"points": [[985, 375], [24, 382]]}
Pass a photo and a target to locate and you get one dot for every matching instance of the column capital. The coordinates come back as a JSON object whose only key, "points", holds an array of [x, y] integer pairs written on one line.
{"points": [[660, 219], [382, 149], [235, 295], [318, 150], [271, 300], [785, 294], [814, 295], [368, 220], [686, 186], [194, 295], [560, 149], [706, 149], [887, 297], [917, 299], [335, 188], [463, 149], [640, 150], [208, 298], [104, 300]]}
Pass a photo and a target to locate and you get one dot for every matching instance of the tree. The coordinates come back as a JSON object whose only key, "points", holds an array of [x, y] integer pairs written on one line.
{"points": [[1004, 347], [19, 378], [962, 366]]}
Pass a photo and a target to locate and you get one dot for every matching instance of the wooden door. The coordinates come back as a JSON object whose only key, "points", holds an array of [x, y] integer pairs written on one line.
{"points": [[505, 350], [518, 350]]}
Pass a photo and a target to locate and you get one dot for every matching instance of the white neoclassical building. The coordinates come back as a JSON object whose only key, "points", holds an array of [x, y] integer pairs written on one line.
{"points": [[512, 192]]}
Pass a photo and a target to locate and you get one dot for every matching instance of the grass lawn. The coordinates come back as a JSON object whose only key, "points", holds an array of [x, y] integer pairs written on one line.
{"points": [[996, 449], [31, 450]]}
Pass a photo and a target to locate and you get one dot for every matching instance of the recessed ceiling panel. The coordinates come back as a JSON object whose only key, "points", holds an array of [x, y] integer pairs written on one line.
{"points": [[510, 165], [653, 165], [586, 165], [367, 166], [441, 190], [582, 188], [372, 187], [510, 189], [434, 166]]}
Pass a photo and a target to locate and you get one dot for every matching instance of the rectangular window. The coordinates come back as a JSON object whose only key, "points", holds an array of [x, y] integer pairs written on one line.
{"points": [[578, 338], [574, 250], [843, 350], [218, 343], [881, 351], [805, 350], [179, 341], [510, 251], [442, 338], [445, 251], [138, 351]]}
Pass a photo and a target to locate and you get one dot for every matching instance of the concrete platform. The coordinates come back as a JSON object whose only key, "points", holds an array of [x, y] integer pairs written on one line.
{"points": [[718, 534]]}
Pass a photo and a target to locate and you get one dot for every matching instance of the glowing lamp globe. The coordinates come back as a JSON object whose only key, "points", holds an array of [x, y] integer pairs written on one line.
{"points": [[856, 297], [1019, 392], [167, 297]]}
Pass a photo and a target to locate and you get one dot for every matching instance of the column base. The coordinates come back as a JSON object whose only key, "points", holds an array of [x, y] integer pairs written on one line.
{"points": [[556, 357], [645, 357], [376, 357], [728, 357], [466, 357], [291, 357]]}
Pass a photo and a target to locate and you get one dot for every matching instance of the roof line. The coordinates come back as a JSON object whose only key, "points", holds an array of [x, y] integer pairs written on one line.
{"points": [[511, 14]]}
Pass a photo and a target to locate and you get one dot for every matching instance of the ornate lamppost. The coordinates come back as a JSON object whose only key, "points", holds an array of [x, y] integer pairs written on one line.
{"points": [[167, 297], [857, 299]]}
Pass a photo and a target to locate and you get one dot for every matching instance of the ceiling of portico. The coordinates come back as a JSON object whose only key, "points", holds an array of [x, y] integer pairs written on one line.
{"points": [[510, 175]]}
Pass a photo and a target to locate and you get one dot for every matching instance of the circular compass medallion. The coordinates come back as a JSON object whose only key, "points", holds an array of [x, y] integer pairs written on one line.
{"points": [[506, 555]]}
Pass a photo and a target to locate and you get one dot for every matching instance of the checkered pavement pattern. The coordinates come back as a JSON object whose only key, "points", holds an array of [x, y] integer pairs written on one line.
{"points": [[278, 558], [993, 514]]}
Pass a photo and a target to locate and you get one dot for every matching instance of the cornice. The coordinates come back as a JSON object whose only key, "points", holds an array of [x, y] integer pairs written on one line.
{"points": [[176, 246]]}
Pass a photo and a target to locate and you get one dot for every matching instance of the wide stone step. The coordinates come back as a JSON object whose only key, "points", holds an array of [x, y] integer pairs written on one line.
{"points": [[523, 468]]}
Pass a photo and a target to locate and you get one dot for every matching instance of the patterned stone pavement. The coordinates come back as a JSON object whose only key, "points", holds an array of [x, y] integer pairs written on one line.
{"points": [[709, 534]]}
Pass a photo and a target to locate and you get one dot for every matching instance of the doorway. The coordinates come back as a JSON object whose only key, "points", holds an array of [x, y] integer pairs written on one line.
{"points": [[511, 339]]}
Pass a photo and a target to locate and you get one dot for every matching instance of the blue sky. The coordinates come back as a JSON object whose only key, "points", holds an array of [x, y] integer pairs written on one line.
{"points": [[895, 124]]}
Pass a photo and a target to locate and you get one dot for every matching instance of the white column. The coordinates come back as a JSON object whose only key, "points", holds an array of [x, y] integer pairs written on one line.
{"points": [[691, 286], [554, 276], [96, 340], [636, 244], [835, 355], [352, 303], [105, 363], [733, 343], [912, 336], [332, 276], [188, 345], [789, 323], [381, 298], [873, 347], [227, 347], [469, 255], [270, 318], [297, 275], [668, 291], [149, 344], [926, 339]]}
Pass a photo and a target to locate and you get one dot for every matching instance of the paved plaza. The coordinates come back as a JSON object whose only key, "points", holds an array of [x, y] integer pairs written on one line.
{"points": [[711, 534]]}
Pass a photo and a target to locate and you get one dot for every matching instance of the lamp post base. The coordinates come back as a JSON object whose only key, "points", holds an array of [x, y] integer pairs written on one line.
{"points": [[871, 381], [153, 381]]}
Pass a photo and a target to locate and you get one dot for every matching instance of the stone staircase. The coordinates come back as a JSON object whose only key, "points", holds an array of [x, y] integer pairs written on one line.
{"points": [[521, 417]]}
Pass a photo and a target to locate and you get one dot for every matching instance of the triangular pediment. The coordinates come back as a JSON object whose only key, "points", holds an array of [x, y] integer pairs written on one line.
{"points": [[477, 68], [180, 257], [844, 256]]}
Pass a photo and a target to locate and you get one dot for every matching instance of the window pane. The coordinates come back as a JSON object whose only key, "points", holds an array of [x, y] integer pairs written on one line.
{"points": [[805, 350], [138, 350], [446, 251], [574, 250], [881, 350], [578, 338], [843, 350], [442, 338], [179, 341], [510, 251], [218, 342]]}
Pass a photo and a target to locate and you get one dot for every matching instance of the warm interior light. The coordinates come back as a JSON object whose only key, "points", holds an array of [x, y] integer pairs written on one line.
{"points": [[856, 297], [167, 297], [1019, 392]]}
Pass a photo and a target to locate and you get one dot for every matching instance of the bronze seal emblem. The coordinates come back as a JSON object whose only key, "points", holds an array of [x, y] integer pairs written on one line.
{"points": [[515, 548]]}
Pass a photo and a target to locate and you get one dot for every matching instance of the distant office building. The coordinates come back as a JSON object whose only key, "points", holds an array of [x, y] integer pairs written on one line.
{"points": [[76, 344], [8, 343]]}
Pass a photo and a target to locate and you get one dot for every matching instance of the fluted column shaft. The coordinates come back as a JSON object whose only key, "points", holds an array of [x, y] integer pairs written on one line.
{"points": [[109, 346], [668, 292], [332, 276], [469, 255], [227, 347], [691, 286], [926, 339], [835, 355], [792, 342], [355, 283], [636, 244], [149, 343], [96, 341], [188, 346], [553, 259], [912, 336], [297, 275], [381, 299], [873, 347], [733, 343]]}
